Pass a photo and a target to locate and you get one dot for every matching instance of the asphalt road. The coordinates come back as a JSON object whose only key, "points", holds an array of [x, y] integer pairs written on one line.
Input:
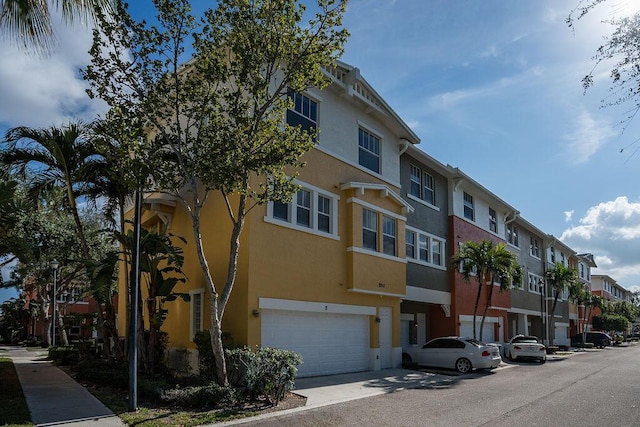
{"points": [[593, 388]]}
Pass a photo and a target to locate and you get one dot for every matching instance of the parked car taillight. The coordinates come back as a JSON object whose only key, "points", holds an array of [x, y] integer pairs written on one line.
{"points": [[486, 353], [517, 347], [543, 349]]}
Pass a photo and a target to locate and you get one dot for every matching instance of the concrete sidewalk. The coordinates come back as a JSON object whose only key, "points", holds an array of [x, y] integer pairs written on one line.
{"points": [[52, 396]]}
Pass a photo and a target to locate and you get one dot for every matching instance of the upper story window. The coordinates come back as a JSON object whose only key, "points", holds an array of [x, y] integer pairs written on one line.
{"points": [[389, 235], [562, 258], [303, 208], [410, 241], [534, 247], [535, 283], [368, 150], [305, 112], [311, 209], [493, 220], [512, 234], [369, 229], [552, 251], [581, 270], [468, 206], [430, 248], [422, 185]]}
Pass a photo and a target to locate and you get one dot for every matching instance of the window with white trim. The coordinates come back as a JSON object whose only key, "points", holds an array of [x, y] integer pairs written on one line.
{"points": [[517, 285], [196, 309], [368, 150], [304, 113], [430, 248], [552, 251], [422, 185], [535, 283], [324, 213], [410, 242], [493, 220], [303, 208], [369, 229], [512, 234], [388, 235], [311, 209], [534, 247], [468, 206]]}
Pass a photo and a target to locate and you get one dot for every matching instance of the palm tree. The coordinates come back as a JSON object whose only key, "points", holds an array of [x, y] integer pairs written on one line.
{"points": [[62, 157], [490, 263], [29, 21], [579, 294], [560, 278], [593, 301]]}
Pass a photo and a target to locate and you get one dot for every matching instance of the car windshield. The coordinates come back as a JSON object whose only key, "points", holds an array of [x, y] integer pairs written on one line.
{"points": [[474, 342]]}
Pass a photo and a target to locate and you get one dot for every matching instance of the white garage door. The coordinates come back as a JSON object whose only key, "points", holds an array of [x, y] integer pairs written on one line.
{"points": [[466, 330], [561, 337], [329, 343]]}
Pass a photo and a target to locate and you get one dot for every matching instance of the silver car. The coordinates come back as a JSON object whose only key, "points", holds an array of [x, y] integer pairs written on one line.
{"points": [[461, 354]]}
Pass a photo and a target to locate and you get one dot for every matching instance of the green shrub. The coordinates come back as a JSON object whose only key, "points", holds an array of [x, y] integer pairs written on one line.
{"points": [[64, 355], [206, 361], [103, 372], [266, 372], [211, 395]]}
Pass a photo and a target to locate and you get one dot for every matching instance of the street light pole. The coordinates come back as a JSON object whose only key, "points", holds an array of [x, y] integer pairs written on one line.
{"points": [[133, 319], [54, 266]]}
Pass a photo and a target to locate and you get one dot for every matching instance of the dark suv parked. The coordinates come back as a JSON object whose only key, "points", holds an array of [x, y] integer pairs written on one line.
{"points": [[598, 339]]}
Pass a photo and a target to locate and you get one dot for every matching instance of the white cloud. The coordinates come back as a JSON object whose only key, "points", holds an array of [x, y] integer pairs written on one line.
{"points": [[496, 88], [590, 134], [43, 91], [611, 231], [568, 215]]}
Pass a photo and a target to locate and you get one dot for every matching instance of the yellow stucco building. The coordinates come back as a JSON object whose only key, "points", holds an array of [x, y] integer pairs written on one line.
{"points": [[324, 274]]}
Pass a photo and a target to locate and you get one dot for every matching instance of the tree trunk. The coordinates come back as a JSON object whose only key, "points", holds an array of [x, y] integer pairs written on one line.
{"points": [[46, 324], [153, 350], [62, 332], [553, 320], [215, 329], [475, 309], [215, 333], [234, 250], [486, 307]]}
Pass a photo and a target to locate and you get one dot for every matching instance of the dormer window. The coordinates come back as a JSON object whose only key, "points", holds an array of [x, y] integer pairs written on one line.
{"points": [[368, 150]]}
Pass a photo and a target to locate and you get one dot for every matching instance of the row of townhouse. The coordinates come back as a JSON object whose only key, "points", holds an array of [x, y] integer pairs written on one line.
{"points": [[355, 268]]}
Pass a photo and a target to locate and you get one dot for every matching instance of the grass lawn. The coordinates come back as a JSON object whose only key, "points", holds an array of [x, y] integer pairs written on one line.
{"points": [[13, 409], [149, 415]]}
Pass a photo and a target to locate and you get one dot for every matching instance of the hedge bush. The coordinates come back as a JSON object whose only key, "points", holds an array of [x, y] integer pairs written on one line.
{"points": [[64, 355], [266, 372], [211, 395], [206, 361]]}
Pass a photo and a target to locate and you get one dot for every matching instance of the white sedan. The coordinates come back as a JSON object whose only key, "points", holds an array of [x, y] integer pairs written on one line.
{"points": [[525, 347], [461, 354]]}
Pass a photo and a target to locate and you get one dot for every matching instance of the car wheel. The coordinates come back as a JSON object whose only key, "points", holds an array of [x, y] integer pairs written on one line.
{"points": [[406, 358], [543, 360], [463, 365], [511, 356]]}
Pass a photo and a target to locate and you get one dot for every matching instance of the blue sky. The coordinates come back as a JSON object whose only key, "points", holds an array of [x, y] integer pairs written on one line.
{"points": [[492, 87]]}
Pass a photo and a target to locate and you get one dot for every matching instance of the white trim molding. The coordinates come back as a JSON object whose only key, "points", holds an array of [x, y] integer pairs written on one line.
{"points": [[315, 307], [432, 296]]}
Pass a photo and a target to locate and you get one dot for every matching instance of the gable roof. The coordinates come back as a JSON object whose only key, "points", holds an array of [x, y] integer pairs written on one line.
{"points": [[348, 79]]}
